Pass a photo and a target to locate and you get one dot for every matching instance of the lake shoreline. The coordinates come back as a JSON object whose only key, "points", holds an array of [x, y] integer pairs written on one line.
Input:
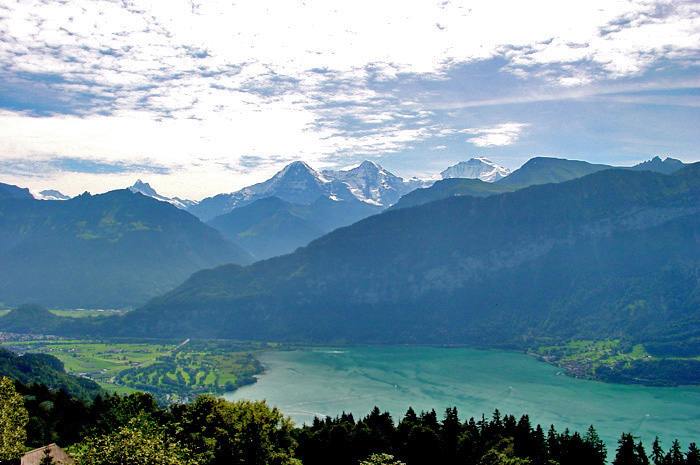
{"points": [[325, 381]]}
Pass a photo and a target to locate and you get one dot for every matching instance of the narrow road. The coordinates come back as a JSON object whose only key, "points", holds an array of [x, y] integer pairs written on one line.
{"points": [[164, 353]]}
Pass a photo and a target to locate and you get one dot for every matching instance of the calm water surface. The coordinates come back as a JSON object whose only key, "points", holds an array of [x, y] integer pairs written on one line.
{"points": [[324, 382]]}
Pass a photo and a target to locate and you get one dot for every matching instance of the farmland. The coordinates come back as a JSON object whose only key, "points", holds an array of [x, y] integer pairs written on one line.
{"points": [[174, 371]]}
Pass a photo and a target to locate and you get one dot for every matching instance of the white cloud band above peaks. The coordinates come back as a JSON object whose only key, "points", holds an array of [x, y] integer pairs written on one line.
{"points": [[213, 82]]}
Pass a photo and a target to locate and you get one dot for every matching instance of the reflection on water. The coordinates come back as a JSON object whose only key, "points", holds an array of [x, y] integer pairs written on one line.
{"points": [[319, 382]]}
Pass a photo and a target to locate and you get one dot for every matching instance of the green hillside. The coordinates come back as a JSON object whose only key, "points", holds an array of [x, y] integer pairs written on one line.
{"points": [[45, 369], [112, 250], [610, 255], [450, 188], [544, 170], [269, 227]]}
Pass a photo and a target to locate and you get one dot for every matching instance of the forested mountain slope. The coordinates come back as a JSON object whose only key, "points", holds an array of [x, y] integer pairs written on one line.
{"points": [[613, 254], [270, 226], [111, 250]]}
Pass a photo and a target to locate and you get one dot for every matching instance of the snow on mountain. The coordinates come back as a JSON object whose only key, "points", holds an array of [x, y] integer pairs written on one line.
{"points": [[295, 183], [476, 168], [371, 183], [51, 194], [146, 189], [299, 183]]}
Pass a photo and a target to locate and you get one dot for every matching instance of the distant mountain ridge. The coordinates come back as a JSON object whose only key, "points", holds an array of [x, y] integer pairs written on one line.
{"points": [[298, 183], [270, 226], [451, 187], [544, 170], [146, 189], [9, 191], [51, 194], [476, 168], [611, 254], [666, 166], [371, 183], [538, 170], [110, 250]]}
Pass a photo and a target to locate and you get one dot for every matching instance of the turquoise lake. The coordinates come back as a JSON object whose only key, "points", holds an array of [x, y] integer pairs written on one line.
{"points": [[305, 383]]}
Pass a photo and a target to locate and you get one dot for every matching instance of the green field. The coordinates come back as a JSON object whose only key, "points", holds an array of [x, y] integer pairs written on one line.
{"points": [[81, 313], [583, 358], [171, 370], [614, 361], [74, 313]]}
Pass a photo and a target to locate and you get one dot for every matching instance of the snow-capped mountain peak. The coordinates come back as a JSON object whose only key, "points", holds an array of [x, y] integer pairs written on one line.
{"points": [[146, 189], [476, 168], [371, 183]]}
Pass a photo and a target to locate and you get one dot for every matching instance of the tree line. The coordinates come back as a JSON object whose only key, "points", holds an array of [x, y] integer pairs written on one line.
{"points": [[135, 429]]}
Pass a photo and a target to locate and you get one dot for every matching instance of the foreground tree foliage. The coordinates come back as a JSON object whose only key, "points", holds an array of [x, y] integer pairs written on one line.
{"points": [[242, 432], [140, 442], [13, 419], [134, 429]]}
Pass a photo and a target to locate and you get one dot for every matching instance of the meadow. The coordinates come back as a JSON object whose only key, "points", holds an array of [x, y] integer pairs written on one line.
{"points": [[174, 370]]}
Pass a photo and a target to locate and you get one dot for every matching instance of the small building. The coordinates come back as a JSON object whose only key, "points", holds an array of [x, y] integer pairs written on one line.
{"points": [[59, 456]]}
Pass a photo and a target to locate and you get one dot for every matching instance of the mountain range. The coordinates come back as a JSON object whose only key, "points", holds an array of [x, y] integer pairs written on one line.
{"points": [[612, 254], [117, 250], [538, 170], [298, 183], [111, 250]]}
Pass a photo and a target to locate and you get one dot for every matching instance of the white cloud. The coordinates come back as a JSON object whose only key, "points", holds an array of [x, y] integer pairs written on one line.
{"points": [[132, 43], [196, 85], [496, 136]]}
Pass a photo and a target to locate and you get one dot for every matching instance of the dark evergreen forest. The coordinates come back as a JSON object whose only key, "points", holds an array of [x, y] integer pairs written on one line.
{"points": [[113, 429]]}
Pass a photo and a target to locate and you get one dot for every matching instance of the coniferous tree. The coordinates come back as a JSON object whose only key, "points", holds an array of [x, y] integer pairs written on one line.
{"points": [[540, 455], [674, 456], [629, 453], [449, 435], [657, 453], [692, 457], [522, 441], [641, 454], [595, 450], [553, 444]]}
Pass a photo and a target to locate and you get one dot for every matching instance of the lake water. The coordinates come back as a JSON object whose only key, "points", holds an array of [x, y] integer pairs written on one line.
{"points": [[322, 382]]}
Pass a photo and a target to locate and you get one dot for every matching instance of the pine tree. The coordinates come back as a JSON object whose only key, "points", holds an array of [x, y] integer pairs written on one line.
{"points": [[692, 457], [597, 452], [674, 456], [657, 453], [629, 453]]}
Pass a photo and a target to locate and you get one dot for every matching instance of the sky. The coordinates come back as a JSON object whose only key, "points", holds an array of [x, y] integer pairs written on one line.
{"points": [[205, 97]]}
